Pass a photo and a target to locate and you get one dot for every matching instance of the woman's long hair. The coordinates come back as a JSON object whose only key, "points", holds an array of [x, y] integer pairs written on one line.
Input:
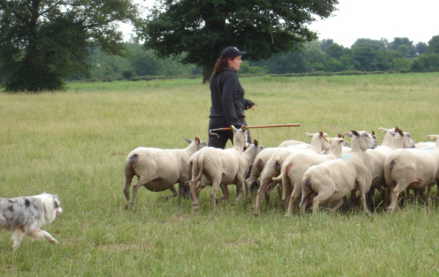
{"points": [[220, 64]]}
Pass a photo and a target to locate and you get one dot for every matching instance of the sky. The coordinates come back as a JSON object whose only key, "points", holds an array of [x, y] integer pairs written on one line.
{"points": [[373, 19], [376, 19]]}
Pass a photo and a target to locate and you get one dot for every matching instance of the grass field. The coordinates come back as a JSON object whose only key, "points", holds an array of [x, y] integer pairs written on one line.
{"points": [[74, 143]]}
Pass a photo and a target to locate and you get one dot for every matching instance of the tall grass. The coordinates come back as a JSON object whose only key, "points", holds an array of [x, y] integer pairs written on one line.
{"points": [[74, 143]]}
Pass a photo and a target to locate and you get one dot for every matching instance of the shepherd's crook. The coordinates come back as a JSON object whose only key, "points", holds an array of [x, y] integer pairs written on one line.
{"points": [[211, 131]]}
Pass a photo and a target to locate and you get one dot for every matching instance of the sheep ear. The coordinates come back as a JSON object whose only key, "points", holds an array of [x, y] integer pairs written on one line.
{"points": [[341, 140], [355, 133], [373, 133], [399, 131], [187, 140], [321, 134], [197, 140], [340, 136], [255, 142], [382, 129]]}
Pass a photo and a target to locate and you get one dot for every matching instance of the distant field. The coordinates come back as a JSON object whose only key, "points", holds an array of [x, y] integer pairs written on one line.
{"points": [[74, 143]]}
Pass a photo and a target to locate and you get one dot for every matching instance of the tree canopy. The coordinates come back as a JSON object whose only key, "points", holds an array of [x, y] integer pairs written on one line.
{"points": [[43, 41], [200, 29]]}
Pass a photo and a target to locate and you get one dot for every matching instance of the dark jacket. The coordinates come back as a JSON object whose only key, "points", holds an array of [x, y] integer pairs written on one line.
{"points": [[228, 102]]}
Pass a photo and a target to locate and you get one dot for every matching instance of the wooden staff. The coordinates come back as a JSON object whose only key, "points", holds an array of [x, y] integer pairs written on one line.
{"points": [[257, 127]]}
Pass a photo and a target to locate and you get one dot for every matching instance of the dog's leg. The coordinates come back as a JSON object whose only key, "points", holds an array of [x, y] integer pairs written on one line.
{"points": [[41, 234], [17, 237]]}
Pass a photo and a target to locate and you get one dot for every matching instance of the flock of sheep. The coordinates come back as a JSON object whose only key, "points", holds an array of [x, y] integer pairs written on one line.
{"points": [[326, 172]]}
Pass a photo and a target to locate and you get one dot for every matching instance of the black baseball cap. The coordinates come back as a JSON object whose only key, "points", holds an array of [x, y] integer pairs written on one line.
{"points": [[232, 52]]}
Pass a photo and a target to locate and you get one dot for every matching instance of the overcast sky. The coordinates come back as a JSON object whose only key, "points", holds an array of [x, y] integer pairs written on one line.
{"points": [[375, 19]]}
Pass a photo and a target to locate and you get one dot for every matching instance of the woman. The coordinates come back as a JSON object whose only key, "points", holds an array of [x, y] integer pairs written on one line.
{"points": [[227, 97]]}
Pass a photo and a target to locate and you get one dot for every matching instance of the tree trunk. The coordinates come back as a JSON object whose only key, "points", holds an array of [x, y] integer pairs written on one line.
{"points": [[207, 71]]}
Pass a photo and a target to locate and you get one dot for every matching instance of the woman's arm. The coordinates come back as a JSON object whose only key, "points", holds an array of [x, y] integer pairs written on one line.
{"points": [[229, 87], [248, 104]]}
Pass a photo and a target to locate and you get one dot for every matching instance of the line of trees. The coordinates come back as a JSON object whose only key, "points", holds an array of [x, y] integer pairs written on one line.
{"points": [[366, 55]]}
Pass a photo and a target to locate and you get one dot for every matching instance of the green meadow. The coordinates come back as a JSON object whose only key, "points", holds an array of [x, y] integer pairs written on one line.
{"points": [[74, 143]]}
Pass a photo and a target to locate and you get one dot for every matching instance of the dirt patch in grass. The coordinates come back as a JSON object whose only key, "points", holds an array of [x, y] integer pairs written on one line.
{"points": [[124, 246], [8, 269], [177, 218], [238, 243]]}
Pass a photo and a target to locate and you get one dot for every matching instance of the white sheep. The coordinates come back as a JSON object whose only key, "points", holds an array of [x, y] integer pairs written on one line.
{"points": [[269, 169], [414, 168], [318, 144], [158, 169], [334, 180], [394, 138], [220, 167], [295, 165]]}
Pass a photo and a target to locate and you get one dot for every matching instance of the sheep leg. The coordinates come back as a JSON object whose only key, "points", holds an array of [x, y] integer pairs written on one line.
{"points": [[337, 205], [225, 191], [322, 196], [184, 190], [241, 186], [386, 196], [288, 191], [238, 192], [292, 200], [194, 194], [397, 190], [370, 197], [141, 182], [216, 188], [279, 194], [263, 190], [129, 174], [364, 202], [363, 188], [420, 194], [394, 196], [306, 195], [174, 193], [252, 180]]}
